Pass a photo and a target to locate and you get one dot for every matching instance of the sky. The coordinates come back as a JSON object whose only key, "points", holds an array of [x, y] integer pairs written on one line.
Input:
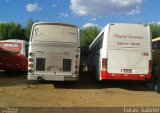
{"points": [[82, 13]]}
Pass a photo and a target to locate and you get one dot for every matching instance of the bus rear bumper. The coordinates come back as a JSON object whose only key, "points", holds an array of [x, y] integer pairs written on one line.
{"points": [[111, 76], [52, 77]]}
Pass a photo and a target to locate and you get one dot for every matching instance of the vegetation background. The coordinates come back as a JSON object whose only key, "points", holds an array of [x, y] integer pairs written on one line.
{"points": [[12, 30]]}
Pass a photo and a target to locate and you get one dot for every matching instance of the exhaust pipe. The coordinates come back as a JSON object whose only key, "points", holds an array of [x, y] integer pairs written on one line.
{"points": [[39, 78]]}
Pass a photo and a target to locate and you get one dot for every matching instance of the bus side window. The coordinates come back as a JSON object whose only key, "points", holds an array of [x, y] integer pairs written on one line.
{"points": [[101, 40], [158, 45], [154, 45]]}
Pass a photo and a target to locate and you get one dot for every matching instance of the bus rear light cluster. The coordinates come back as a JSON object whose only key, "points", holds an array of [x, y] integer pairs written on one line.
{"points": [[76, 66], [30, 66], [104, 64], [77, 50], [30, 62]]}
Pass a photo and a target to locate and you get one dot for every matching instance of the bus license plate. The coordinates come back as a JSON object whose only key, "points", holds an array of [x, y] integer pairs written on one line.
{"points": [[127, 70]]}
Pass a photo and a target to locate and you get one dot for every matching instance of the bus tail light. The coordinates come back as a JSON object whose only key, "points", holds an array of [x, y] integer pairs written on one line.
{"points": [[30, 65], [76, 67], [76, 72], [104, 64], [30, 71], [76, 62], [30, 59], [31, 54], [77, 56]]}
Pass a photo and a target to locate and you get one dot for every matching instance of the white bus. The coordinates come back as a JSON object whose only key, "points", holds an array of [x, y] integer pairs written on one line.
{"points": [[121, 52], [54, 52]]}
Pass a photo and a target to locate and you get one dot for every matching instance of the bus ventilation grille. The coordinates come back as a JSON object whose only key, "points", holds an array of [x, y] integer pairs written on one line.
{"points": [[40, 64], [67, 65]]}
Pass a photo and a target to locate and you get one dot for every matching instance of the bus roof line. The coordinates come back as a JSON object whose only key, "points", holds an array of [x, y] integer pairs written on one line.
{"points": [[54, 23]]}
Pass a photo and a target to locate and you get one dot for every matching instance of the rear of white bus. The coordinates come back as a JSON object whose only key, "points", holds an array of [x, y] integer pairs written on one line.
{"points": [[54, 52], [127, 54]]}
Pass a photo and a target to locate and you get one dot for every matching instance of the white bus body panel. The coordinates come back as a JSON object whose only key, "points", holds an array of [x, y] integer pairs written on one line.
{"points": [[121, 60], [53, 66], [129, 47]]}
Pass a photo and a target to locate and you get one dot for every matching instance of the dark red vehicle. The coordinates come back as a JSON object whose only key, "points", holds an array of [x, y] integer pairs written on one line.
{"points": [[13, 55]]}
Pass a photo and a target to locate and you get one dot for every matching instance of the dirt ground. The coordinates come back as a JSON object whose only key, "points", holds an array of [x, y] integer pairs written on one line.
{"points": [[17, 91]]}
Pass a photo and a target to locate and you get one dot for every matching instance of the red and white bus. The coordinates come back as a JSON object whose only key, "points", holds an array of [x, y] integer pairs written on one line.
{"points": [[13, 55], [121, 52]]}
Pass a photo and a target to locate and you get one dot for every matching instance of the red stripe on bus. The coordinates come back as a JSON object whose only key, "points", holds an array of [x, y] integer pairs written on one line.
{"points": [[112, 76]]}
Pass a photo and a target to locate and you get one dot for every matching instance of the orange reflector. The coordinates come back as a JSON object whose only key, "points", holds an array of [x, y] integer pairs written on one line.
{"points": [[77, 62], [30, 65]]}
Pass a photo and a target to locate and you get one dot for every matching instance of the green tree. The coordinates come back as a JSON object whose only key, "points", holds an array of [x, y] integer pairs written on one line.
{"points": [[28, 28], [12, 30], [3, 31], [88, 34], [155, 29]]}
